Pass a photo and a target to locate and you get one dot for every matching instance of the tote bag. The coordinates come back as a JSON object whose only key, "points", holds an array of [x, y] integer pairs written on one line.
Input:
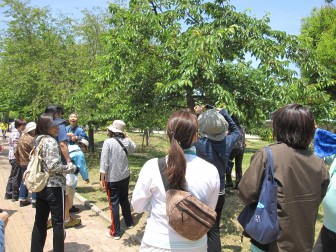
{"points": [[260, 221]]}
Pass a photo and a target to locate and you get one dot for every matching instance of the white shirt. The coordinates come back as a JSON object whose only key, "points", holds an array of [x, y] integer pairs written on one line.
{"points": [[149, 195]]}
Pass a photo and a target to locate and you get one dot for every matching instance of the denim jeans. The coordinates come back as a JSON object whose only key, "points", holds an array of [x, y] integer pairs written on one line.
{"points": [[118, 194], [49, 200], [214, 242], [326, 241], [23, 194], [13, 184]]}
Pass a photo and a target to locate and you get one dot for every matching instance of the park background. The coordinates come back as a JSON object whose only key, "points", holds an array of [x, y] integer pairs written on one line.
{"points": [[141, 60]]}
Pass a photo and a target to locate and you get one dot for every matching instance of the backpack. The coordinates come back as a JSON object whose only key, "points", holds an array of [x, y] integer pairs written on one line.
{"points": [[240, 143], [186, 214], [34, 178], [260, 221]]}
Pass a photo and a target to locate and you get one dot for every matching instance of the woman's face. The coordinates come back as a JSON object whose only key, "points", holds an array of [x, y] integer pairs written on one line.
{"points": [[53, 131]]}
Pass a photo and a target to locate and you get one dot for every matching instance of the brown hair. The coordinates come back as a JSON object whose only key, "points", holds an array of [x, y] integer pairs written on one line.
{"points": [[294, 125], [181, 129], [43, 123]]}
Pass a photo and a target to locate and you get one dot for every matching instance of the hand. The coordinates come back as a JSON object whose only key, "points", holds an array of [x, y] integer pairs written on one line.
{"points": [[4, 217], [102, 185], [70, 134], [74, 138]]}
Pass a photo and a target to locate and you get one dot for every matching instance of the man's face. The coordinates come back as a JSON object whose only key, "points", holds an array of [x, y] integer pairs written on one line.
{"points": [[73, 119]]}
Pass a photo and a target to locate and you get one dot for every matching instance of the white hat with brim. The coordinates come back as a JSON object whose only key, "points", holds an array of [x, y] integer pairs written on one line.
{"points": [[84, 141], [29, 127], [117, 126], [212, 125]]}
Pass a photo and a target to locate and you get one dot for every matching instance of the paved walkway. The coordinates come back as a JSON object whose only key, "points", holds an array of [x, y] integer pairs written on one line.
{"points": [[88, 237]]}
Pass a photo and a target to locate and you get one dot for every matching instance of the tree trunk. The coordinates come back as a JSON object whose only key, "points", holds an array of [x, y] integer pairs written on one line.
{"points": [[91, 138], [145, 137]]}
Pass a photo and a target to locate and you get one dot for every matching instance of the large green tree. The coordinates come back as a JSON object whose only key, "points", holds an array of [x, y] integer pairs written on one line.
{"points": [[168, 54], [318, 33]]}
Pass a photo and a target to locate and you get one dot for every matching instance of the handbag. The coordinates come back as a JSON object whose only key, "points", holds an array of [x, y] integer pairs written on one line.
{"points": [[34, 178], [186, 214], [260, 220]]}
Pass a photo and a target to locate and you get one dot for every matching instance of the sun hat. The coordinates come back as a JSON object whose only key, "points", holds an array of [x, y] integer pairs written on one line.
{"points": [[212, 125], [84, 141], [29, 127], [117, 126]]}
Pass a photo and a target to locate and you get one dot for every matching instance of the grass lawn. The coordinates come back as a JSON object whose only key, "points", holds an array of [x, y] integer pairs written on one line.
{"points": [[230, 229]]}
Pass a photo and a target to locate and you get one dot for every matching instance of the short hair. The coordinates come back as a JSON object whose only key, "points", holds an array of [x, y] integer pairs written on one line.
{"points": [[294, 125], [115, 134], [43, 123], [19, 122], [54, 109]]}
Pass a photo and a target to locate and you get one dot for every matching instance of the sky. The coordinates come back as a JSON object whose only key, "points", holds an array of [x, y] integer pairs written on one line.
{"points": [[285, 15]]}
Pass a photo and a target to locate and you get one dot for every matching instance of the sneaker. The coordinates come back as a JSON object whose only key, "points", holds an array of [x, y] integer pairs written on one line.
{"points": [[73, 222], [108, 235], [130, 227], [49, 224], [73, 209], [33, 205], [15, 199]]}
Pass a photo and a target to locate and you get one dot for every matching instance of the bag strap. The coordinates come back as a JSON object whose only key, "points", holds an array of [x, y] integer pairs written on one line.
{"points": [[162, 166], [122, 146], [269, 171], [218, 155]]}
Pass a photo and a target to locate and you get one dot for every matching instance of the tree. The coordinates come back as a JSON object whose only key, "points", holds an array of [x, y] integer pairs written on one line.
{"points": [[177, 53]]}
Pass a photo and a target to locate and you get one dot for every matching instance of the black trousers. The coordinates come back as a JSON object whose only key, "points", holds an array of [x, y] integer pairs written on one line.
{"points": [[326, 241], [214, 242], [49, 200], [14, 180], [118, 195], [237, 155]]}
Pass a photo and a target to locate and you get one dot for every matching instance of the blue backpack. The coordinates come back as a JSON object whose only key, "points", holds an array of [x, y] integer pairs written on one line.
{"points": [[260, 221]]}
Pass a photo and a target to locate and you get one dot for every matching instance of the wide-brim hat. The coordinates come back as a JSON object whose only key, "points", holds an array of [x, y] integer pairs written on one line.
{"points": [[212, 125], [117, 126], [29, 127]]}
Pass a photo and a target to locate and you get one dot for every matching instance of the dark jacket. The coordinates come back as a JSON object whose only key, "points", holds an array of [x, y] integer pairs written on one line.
{"points": [[207, 149], [302, 183]]}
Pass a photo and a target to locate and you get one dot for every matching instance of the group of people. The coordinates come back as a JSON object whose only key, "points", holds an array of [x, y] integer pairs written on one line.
{"points": [[203, 144], [302, 179], [62, 150]]}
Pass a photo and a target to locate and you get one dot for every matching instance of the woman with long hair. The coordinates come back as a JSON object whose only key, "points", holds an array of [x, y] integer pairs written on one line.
{"points": [[51, 198], [301, 177], [185, 171]]}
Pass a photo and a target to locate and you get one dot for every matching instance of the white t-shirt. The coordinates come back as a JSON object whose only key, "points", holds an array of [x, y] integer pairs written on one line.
{"points": [[149, 195]]}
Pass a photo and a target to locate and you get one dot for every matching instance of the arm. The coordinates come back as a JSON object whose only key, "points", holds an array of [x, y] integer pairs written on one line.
{"points": [[131, 146], [141, 197], [103, 164], [65, 151], [52, 158], [250, 185]]}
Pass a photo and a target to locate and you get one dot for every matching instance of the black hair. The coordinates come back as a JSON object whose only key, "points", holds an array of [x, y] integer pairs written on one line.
{"points": [[294, 125], [54, 109]]}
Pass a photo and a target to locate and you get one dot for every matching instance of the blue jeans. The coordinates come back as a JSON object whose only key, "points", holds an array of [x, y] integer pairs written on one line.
{"points": [[118, 194], [23, 194], [49, 200]]}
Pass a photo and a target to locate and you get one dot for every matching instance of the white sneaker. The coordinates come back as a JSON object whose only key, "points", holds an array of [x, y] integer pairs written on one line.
{"points": [[130, 227], [107, 234]]}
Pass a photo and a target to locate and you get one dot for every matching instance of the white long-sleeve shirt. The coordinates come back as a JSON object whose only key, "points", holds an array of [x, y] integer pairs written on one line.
{"points": [[149, 195]]}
